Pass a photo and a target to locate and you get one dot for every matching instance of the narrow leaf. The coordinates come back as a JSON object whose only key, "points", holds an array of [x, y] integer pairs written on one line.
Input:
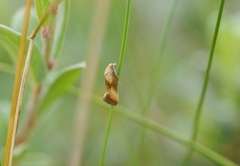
{"points": [[10, 39], [60, 84]]}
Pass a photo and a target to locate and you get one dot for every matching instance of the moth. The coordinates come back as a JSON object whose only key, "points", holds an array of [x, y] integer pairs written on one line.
{"points": [[111, 82]]}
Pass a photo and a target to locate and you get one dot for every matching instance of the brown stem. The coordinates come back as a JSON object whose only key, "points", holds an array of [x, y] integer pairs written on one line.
{"points": [[30, 120]]}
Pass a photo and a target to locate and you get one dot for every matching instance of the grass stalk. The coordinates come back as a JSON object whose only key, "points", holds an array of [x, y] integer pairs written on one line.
{"points": [[150, 124], [196, 124], [88, 79], [102, 161], [160, 52], [20, 82], [120, 63], [13, 121], [158, 128], [155, 76], [124, 39]]}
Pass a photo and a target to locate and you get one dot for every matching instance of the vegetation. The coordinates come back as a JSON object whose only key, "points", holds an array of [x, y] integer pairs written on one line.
{"points": [[178, 83]]}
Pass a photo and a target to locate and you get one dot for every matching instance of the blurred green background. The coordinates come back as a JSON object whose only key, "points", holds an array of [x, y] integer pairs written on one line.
{"points": [[182, 70]]}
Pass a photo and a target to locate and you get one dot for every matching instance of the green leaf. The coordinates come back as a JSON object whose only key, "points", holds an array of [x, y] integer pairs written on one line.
{"points": [[10, 39], [41, 6], [60, 83], [61, 27], [17, 23]]}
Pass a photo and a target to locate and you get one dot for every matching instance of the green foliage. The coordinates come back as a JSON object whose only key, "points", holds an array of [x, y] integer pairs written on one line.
{"points": [[10, 39], [121, 58], [62, 11], [172, 135], [60, 83], [41, 7], [17, 23], [174, 86]]}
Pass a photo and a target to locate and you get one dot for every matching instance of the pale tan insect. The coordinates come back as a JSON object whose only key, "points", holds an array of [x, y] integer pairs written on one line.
{"points": [[111, 81]]}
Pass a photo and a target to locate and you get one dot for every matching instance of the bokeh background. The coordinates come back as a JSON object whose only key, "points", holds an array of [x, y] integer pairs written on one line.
{"points": [[180, 80]]}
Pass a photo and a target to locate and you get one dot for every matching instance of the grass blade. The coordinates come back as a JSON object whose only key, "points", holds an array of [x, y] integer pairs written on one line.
{"points": [[204, 88], [121, 58], [88, 79], [167, 132]]}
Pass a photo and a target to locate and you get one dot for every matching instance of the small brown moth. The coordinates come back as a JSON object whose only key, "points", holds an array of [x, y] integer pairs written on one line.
{"points": [[111, 94]]}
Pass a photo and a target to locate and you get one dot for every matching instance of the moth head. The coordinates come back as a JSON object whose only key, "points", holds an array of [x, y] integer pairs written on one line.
{"points": [[110, 69], [110, 74]]}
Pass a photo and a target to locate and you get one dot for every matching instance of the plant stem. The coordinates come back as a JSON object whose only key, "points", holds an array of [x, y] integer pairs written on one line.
{"points": [[150, 124], [13, 121], [121, 58], [30, 121], [88, 79], [124, 39], [20, 82], [102, 161], [158, 128], [155, 75], [204, 88]]}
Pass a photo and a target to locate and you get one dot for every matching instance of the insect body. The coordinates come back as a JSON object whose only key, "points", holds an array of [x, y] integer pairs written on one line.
{"points": [[111, 81]]}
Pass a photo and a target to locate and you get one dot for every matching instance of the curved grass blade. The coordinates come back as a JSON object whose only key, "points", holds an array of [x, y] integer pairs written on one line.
{"points": [[161, 129], [197, 117]]}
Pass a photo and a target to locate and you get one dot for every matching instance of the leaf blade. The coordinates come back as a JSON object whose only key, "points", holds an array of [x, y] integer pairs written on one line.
{"points": [[10, 39], [61, 84], [41, 6]]}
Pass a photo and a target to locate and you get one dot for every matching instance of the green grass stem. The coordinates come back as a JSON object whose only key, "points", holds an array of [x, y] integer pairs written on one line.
{"points": [[204, 88], [150, 124], [106, 136], [155, 76], [124, 39], [158, 128], [121, 58]]}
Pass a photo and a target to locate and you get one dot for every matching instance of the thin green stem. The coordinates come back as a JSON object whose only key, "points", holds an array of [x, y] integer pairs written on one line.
{"points": [[204, 88], [155, 76], [102, 161], [150, 124], [161, 129], [124, 39], [121, 58], [98, 27], [160, 52]]}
